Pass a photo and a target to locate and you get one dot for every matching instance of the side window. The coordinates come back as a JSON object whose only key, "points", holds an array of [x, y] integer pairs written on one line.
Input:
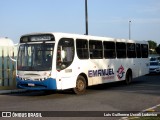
{"points": [[131, 51], [144, 50], [82, 49], [109, 49], [138, 50], [121, 49], [95, 49], [65, 53]]}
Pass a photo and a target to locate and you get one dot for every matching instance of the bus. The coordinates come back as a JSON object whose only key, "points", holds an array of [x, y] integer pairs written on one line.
{"points": [[59, 61]]}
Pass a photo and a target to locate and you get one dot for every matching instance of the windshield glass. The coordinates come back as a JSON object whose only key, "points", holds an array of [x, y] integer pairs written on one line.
{"points": [[35, 57], [154, 63]]}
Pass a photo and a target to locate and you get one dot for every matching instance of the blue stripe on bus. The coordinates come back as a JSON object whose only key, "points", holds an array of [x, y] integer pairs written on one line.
{"points": [[47, 84]]}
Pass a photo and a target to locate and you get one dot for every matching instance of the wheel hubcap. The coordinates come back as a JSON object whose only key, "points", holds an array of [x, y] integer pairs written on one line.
{"points": [[80, 85]]}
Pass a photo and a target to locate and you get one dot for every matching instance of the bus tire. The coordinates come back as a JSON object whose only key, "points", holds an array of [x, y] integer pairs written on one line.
{"points": [[80, 86], [128, 79]]}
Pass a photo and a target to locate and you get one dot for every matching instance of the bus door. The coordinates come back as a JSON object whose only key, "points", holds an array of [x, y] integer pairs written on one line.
{"points": [[65, 57]]}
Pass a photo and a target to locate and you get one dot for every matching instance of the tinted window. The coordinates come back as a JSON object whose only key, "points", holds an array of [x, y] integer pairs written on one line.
{"points": [[144, 50], [82, 49], [109, 49], [131, 51], [95, 49], [154, 63], [121, 50], [65, 53], [138, 50]]}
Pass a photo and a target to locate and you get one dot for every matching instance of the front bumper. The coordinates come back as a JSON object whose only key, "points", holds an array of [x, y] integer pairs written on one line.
{"points": [[47, 84]]}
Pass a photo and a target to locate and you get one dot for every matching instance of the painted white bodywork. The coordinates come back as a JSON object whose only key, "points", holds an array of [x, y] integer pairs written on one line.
{"points": [[66, 78]]}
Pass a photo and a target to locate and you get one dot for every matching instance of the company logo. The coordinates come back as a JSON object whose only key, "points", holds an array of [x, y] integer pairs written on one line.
{"points": [[120, 72], [6, 114], [21, 114], [101, 72]]}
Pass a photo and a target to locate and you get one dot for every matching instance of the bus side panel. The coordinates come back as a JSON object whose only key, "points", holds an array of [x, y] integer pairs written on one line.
{"points": [[68, 83], [66, 78], [144, 66], [101, 71], [140, 67]]}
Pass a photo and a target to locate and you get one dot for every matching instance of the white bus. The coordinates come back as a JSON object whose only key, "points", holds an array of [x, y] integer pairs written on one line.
{"points": [[59, 61]]}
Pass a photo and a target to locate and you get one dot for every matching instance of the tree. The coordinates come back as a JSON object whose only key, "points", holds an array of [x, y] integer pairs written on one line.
{"points": [[152, 46]]}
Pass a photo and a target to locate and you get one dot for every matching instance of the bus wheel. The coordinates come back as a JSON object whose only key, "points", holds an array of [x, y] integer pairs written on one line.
{"points": [[128, 78], [80, 85]]}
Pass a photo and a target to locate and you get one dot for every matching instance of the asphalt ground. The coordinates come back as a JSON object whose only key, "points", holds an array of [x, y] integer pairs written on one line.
{"points": [[142, 95]]}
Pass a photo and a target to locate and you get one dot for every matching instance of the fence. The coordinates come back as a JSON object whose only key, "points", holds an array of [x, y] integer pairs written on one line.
{"points": [[7, 67]]}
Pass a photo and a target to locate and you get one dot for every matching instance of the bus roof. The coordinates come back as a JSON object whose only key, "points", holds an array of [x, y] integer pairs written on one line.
{"points": [[79, 36]]}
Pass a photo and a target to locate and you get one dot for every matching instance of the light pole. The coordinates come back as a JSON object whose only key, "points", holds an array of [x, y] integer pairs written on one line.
{"points": [[129, 30], [86, 16]]}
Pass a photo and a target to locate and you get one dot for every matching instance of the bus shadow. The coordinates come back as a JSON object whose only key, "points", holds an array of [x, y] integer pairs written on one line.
{"points": [[32, 93], [149, 84], [106, 86]]}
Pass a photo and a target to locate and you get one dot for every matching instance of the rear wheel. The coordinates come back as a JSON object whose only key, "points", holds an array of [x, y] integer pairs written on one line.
{"points": [[128, 78], [80, 85]]}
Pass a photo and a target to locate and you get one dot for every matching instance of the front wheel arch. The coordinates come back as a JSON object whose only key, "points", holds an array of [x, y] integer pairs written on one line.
{"points": [[81, 85]]}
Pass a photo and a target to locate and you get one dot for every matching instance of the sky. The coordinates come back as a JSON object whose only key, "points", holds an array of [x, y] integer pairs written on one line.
{"points": [[109, 18]]}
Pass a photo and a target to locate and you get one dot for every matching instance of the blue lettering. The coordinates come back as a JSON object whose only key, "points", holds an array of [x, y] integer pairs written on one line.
{"points": [[110, 71], [106, 71], [95, 73], [90, 73], [101, 72]]}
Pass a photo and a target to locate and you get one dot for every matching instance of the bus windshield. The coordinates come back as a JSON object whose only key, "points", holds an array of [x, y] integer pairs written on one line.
{"points": [[35, 57]]}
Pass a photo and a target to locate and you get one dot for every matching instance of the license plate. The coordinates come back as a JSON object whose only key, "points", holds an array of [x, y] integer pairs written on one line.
{"points": [[31, 84]]}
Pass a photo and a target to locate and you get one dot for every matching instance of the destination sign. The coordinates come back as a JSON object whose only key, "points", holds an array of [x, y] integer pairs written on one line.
{"points": [[37, 38], [41, 38]]}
